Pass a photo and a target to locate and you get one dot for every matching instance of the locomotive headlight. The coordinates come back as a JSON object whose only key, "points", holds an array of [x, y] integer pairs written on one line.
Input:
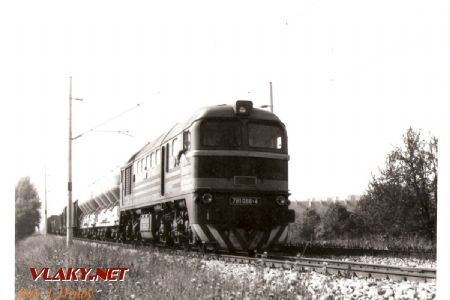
{"points": [[206, 198], [282, 200]]}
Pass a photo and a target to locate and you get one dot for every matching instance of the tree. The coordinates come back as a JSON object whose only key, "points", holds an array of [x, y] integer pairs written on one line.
{"points": [[402, 199], [310, 222], [336, 221], [27, 208]]}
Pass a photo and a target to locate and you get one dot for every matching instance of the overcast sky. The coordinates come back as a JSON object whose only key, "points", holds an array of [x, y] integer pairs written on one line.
{"points": [[349, 78]]}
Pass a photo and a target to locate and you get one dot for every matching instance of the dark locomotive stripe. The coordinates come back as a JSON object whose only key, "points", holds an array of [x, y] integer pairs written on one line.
{"points": [[207, 232], [237, 153], [240, 239], [252, 233], [264, 239], [226, 239]]}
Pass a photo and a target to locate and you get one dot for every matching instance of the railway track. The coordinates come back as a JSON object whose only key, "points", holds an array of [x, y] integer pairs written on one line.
{"points": [[324, 266], [337, 251], [343, 268]]}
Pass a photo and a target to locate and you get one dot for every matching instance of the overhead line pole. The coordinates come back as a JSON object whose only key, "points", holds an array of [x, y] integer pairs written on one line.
{"points": [[69, 213], [45, 208], [271, 98], [69, 231], [69, 227]]}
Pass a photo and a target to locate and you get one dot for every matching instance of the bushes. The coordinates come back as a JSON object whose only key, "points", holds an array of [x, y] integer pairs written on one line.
{"points": [[399, 204], [27, 208]]}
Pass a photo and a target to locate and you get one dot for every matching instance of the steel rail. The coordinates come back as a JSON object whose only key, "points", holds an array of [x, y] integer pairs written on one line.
{"points": [[304, 264], [343, 268]]}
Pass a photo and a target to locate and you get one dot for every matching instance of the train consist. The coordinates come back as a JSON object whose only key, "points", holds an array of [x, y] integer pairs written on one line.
{"points": [[218, 180]]}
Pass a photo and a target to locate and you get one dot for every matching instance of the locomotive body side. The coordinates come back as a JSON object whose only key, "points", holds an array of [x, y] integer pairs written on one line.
{"points": [[219, 179]]}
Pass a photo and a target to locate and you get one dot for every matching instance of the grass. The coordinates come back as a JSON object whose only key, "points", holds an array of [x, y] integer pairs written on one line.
{"points": [[168, 274], [160, 274]]}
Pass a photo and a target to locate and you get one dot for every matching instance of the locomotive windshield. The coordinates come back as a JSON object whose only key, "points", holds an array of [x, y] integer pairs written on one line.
{"points": [[231, 134], [265, 136], [221, 133]]}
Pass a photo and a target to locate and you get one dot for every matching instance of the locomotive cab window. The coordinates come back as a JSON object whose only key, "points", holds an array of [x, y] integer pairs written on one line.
{"points": [[186, 140], [265, 136], [221, 133]]}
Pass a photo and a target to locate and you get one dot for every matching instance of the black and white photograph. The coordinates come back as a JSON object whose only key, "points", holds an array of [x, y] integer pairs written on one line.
{"points": [[227, 149]]}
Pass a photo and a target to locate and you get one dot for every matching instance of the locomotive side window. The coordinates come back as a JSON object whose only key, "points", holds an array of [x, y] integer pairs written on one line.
{"points": [[167, 157], [175, 147], [127, 181], [138, 169], [221, 133], [147, 162], [186, 140], [265, 136], [152, 160]]}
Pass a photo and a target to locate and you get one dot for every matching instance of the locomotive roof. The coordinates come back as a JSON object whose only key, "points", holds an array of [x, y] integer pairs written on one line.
{"points": [[217, 111]]}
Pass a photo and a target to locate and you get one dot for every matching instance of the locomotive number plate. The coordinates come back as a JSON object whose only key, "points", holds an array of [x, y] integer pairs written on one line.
{"points": [[244, 200]]}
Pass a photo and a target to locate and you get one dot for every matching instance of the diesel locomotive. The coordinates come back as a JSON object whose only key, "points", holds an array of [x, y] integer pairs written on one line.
{"points": [[218, 180]]}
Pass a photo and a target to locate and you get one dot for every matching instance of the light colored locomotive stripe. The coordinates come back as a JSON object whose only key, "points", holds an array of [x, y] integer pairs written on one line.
{"points": [[157, 177], [283, 236], [272, 235], [145, 195], [256, 239], [141, 184], [168, 179], [146, 191], [172, 175], [277, 236], [144, 187], [217, 237], [207, 232], [198, 230]]}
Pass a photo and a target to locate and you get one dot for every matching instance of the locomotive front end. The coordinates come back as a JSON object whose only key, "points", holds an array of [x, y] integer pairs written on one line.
{"points": [[240, 177]]}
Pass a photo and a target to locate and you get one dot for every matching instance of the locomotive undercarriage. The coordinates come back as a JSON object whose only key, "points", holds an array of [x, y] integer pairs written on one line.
{"points": [[166, 223]]}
